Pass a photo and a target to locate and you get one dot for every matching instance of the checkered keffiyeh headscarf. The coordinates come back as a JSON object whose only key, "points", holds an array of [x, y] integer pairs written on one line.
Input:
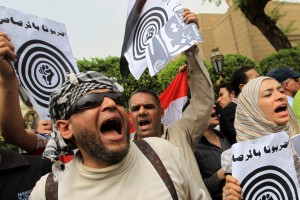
{"points": [[75, 87], [250, 122], [61, 101]]}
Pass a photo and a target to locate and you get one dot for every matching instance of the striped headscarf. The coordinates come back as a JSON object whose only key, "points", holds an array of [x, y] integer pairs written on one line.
{"points": [[250, 122], [61, 101]]}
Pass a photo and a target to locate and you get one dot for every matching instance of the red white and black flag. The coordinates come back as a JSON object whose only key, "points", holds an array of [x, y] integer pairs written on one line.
{"points": [[134, 15], [174, 97]]}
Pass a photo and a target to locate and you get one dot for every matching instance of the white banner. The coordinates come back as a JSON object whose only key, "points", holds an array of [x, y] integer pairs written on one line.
{"points": [[159, 35], [295, 140], [265, 168], [174, 38], [43, 52]]}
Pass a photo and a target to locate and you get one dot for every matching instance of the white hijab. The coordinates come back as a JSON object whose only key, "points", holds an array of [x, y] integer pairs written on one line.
{"points": [[250, 122]]}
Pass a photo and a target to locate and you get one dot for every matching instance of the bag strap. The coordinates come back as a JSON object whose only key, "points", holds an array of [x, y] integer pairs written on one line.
{"points": [[151, 155], [51, 188]]}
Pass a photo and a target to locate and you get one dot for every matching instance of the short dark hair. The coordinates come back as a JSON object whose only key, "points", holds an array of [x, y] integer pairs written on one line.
{"points": [[239, 77], [144, 90], [227, 86]]}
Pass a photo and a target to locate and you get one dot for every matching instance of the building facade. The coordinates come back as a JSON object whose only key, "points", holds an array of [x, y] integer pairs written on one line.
{"points": [[234, 34]]}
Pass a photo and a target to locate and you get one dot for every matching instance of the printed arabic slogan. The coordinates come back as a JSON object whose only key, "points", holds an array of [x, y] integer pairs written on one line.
{"points": [[155, 34], [44, 55], [265, 168]]}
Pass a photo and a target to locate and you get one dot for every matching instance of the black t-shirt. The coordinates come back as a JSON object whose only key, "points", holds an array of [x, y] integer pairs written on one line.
{"points": [[19, 174]]}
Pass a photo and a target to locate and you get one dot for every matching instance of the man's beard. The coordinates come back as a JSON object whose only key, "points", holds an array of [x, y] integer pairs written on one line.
{"points": [[90, 142]]}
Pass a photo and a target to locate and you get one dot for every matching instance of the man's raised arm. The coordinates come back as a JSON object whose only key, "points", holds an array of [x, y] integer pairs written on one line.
{"points": [[11, 119]]}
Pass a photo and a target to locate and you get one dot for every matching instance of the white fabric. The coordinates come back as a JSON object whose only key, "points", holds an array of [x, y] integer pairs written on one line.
{"points": [[133, 178], [290, 100]]}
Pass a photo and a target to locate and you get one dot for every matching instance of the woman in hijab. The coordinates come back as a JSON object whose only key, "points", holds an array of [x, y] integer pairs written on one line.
{"points": [[262, 109]]}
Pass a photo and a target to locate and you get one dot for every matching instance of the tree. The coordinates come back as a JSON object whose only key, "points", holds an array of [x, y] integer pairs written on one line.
{"points": [[255, 13], [231, 63], [287, 58]]}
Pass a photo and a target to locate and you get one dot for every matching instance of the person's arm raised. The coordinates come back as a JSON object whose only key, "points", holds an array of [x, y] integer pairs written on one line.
{"points": [[196, 116], [11, 120]]}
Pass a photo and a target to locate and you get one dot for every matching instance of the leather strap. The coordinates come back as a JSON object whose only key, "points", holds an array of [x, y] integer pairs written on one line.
{"points": [[51, 188]]}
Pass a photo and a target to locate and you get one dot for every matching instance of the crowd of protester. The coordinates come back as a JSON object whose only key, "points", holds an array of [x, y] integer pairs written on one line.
{"points": [[85, 150]]}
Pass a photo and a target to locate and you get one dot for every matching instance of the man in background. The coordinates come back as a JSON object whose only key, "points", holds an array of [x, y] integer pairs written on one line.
{"points": [[289, 80], [239, 79], [146, 111]]}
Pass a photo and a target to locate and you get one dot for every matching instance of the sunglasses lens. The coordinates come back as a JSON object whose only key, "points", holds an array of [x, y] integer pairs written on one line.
{"points": [[95, 99], [118, 100], [89, 101]]}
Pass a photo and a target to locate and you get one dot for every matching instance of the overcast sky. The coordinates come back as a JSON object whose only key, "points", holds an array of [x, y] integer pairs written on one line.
{"points": [[95, 28]]}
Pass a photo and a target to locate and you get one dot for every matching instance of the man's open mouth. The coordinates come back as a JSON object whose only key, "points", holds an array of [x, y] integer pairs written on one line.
{"points": [[113, 124], [144, 122]]}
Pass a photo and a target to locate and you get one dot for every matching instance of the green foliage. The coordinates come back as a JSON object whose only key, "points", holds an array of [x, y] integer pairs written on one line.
{"points": [[289, 27], [146, 81], [110, 67], [297, 47], [231, 63], [275, 13], [289, 58]]}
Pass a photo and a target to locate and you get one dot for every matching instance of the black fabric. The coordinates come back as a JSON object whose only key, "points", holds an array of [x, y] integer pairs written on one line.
{"points": [[132, 20], [19, 174], [227, 122], [208, 157], [188, 100]]}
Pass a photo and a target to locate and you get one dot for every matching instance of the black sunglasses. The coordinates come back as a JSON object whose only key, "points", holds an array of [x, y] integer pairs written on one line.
{"points": [[92, 100]]}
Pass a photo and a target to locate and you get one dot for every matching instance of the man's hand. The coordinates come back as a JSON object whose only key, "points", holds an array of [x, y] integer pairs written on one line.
{"points": [[6, 47], [182, 68], [232, 189], [189, 16], [6, 52]]}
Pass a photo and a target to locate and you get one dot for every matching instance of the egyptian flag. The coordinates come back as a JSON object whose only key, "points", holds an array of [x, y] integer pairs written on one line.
{"points": [[132, 19], [174, 97]]}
